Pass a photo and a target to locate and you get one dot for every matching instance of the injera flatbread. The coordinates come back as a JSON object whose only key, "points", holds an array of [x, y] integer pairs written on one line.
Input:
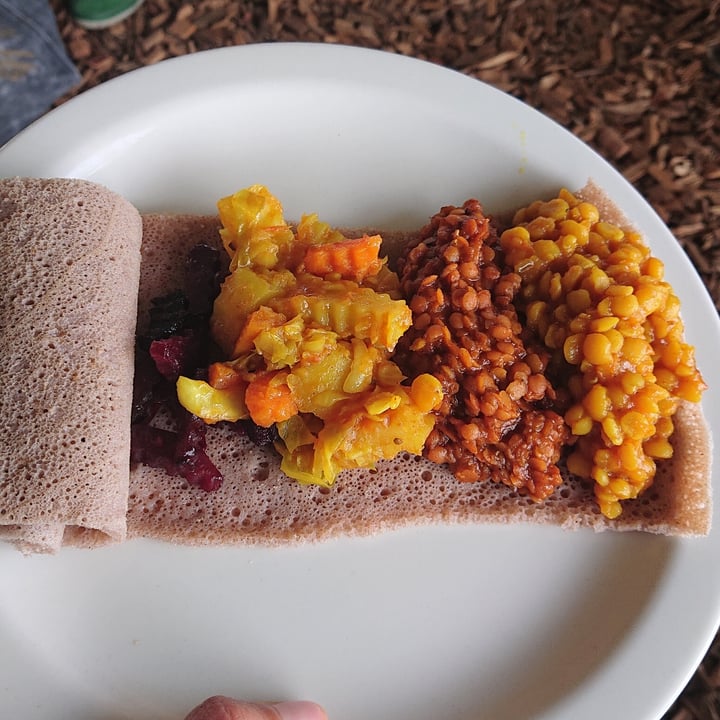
{"points": [[259, 504], [69, 278]]}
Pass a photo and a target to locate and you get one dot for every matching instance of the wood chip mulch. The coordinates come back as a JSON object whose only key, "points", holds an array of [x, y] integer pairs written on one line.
{"points": [[638, 81]]}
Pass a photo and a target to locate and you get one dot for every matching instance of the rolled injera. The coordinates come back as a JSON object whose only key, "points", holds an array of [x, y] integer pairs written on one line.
{"points": [[69, 277]]}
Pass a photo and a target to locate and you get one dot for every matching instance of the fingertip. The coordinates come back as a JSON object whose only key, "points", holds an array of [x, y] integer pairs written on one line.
{"points": [[214, 708], [300, 710], [220, 707]]}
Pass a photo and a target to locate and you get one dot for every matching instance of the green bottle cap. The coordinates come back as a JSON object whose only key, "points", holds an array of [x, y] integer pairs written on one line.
{"points": [[98, 14]]}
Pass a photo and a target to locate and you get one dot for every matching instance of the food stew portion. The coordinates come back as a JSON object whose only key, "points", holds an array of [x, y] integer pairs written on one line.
{"points": [[507, 354], [595, 296], [307, 320], [496, 420]]}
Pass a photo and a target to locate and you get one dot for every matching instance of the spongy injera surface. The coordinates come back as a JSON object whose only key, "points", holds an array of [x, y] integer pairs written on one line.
{"points": [[69, 276], [258, 504]]}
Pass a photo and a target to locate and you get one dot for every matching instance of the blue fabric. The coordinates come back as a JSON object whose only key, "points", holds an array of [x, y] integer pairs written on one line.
{"points": [[34, 67]]}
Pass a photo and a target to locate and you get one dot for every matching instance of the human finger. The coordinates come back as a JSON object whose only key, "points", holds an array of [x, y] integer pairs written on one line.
{"points": [[220, 707]]}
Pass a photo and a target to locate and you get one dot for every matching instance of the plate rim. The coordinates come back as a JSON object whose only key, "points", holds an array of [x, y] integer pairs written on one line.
{"points": [[121, 83]]}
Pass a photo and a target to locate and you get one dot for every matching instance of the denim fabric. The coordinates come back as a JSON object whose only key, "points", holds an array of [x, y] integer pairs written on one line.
{"points": [[34, 67]]}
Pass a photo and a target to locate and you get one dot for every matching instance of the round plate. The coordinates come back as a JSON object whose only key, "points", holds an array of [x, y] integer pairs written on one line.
{"points": [[453, 622]]}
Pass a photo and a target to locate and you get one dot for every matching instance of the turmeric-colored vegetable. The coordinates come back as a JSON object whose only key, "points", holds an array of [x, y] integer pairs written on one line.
{"points": [[370, 426], [307, 320], [223, 376], [348, 309], [269, 399], [350, 259], [258, 321], [244, 291], [211, 404]]}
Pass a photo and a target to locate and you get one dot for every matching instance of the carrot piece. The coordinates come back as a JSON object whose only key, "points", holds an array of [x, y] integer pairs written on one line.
{"points": [[269, 399], [353, 259], [222, 376], [259, 320]]}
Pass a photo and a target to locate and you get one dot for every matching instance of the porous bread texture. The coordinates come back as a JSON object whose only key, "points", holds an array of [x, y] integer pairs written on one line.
{"points": [[259, 504], [69, 277]]}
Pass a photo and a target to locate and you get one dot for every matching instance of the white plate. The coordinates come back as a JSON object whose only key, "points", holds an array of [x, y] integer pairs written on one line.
{"points": [[453, 623]]}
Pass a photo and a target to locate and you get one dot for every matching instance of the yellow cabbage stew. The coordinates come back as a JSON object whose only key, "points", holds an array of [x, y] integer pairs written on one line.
{"points": [[307, 319]]}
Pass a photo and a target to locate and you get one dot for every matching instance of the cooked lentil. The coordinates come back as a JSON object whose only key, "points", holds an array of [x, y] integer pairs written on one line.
{"points": [[596, 298], [494, 422]]}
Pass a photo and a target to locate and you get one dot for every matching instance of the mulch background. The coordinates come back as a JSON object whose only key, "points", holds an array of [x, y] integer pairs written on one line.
{"points": [[638, 81]]}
